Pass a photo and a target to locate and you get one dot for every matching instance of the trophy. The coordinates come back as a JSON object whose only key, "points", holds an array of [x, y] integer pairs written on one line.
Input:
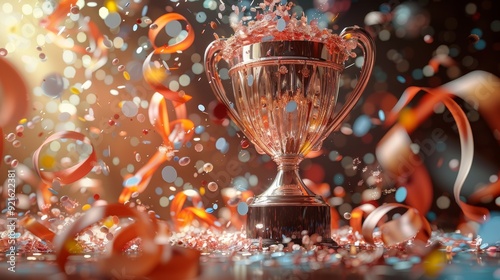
{"points": [[285, 97]]}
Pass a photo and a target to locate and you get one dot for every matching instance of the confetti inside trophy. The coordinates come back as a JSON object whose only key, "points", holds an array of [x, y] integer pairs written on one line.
{"points": [[285, 96]]}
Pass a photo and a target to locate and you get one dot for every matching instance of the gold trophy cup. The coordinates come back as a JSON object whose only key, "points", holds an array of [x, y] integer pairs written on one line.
{"points": [[285, 99]]}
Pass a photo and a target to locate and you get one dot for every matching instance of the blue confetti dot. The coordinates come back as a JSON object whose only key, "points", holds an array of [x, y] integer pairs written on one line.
{"points": [[201, 108], [158, 190], [281, 24], [209, 210], [369, 158], [431, 216], [477, 31], [199, 129], [250, 80], [362, 125], [132, 181], [338, 179], [169, 174], [417, 74], [401, 79], [401, 194], [242, 208], [177, 145], [480, 45], [381, 115], [291, 106]]}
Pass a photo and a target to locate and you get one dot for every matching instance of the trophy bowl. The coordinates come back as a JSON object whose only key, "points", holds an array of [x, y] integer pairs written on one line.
{"points": [[285, 99]]}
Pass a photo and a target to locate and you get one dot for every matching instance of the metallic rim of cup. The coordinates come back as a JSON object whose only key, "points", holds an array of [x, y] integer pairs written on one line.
{"points": [[282, 60], [293, 50]]}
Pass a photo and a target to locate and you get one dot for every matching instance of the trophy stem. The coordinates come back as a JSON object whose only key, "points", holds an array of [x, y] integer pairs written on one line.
{"points": [[288, 209]]}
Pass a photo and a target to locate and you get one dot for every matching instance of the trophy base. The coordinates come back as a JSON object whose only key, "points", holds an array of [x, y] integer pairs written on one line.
{"points": [[281, 223]]}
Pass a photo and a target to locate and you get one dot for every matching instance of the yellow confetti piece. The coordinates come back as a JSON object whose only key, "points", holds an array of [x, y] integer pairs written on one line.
{"points": [[47, 161], [111, 5], [73, 247], [74, 90], [23, 121], [86, 207], [108, 222], [202, 191], [126, 75], [434, 263]]}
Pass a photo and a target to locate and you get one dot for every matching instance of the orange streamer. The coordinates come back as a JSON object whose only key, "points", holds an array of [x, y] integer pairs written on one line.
{"points": [[71, 174], [171, 132], [64, 242], [161, 22], [410, 224], [155, 76], [477, 88], [357, 215], [179, 130], [183, 216]]}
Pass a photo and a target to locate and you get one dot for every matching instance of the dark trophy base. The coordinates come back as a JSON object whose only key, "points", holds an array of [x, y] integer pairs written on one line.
{"points": [[280, 224]]}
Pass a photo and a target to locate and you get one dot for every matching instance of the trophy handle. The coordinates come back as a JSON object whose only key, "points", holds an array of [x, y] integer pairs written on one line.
{"points": [[367, 45], [212, 57]]}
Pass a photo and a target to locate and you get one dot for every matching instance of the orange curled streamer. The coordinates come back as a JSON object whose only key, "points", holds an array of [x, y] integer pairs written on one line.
{"points": [[71, 174], [477, 87], [357, 215], [155, 76], [183, 216], [64, 242], [411, 224], [399, 162], [52, 24], [171, 132], [161, 22]]}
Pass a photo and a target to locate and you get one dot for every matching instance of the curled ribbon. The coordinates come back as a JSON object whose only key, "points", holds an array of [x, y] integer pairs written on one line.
{"points": [[155, 76], [183, 216], [357, 215], [71, 174], [96, 39], [410, 224], [65, 243], [472, 88], [178, 130], [171, 132]]}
